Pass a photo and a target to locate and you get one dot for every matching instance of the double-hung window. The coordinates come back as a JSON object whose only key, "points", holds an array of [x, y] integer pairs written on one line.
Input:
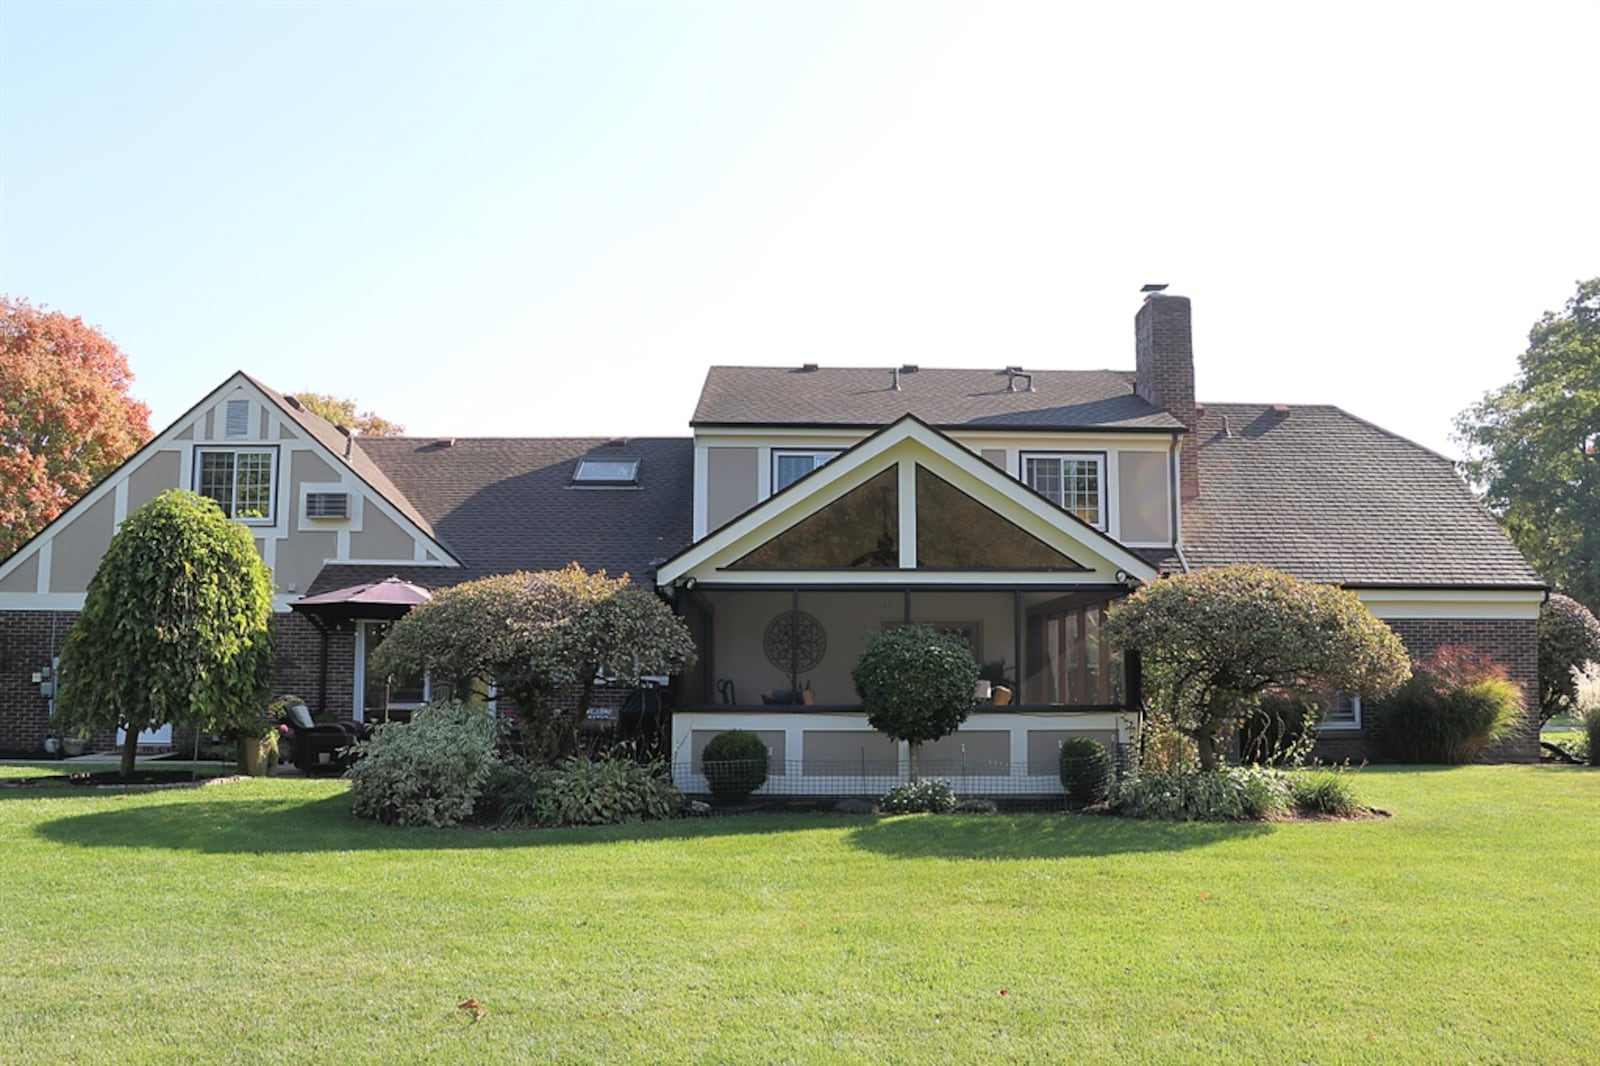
{"points": [[791, 464], [241, 480], [1072, 481], [1344, 712]]}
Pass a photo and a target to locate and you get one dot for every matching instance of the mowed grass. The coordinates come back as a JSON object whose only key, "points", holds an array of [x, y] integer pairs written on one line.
{"points": [[258, 922]]}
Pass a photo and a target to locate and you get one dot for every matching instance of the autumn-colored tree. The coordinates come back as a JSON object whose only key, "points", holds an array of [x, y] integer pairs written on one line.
{"points": [[342, 412], [176, 627], [1212, 641], [66, 419], [539, 636]]}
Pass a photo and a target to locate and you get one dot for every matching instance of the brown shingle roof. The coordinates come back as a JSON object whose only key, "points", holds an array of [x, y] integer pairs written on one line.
{"points": [[974, 399], [1328, 497], [505, 504]]}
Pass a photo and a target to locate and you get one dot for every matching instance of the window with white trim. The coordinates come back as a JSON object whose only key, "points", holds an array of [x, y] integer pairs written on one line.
{"points": [[241, 480], [1072, 481], [1344, 712], [791, 464]]}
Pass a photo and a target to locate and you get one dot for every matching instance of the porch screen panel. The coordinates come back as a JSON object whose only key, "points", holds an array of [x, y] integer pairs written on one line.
{"points": [[1069, 663], [956, 532], [861, 529]]}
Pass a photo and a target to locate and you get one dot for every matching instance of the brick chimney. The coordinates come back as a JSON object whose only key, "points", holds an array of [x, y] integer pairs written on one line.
{"points": [[1164, 372]]}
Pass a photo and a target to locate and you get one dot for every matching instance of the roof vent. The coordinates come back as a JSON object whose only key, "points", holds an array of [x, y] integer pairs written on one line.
{"points": [[1015, 372], [896, 386], [1281, 410], [293, 401], [1227, 427], [445, 442], [807, 368], [909, 368], [349, 441], [617, 442]]}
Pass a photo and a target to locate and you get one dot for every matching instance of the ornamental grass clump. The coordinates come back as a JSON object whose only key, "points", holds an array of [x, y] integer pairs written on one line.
{"points": [[1586, 684], [428, 771], [1323, 792], [1455, 705], [735, 764], [1086, 771]]}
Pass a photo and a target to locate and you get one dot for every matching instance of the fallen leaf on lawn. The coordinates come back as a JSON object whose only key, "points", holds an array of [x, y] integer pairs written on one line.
{"points": [[475, 1007]]}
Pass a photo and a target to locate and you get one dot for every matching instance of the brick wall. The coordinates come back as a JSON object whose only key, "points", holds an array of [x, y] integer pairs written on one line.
{"points": [[28, 641], [299, 665], [1513, 643]]}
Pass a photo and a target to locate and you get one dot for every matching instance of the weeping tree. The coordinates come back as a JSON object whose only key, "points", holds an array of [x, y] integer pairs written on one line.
{"points": [[541, 636], [176, 627], [916, 683], [1212, 641]]}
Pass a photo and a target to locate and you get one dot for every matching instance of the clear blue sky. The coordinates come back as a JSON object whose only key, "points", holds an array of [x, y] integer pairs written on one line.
{"points": [[549, 219]]}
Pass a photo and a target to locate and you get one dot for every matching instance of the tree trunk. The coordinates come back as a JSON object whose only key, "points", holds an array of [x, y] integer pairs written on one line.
{"points": [[130, 748], [1205, 743], [914, 746]]}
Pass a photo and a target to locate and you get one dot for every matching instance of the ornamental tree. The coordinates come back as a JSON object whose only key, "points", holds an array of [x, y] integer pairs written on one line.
{"points": [[66, 419], [1569, 637], [176, 627], [537, 636], [1533, 447], [1212, 641], [916, 683]]}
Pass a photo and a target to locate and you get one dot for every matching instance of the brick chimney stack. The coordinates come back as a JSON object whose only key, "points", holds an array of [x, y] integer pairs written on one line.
{"points": [[1164, 372]]}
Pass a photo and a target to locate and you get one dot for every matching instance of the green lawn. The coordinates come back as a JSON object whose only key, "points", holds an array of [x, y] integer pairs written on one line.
{"points": [[257, 922]]}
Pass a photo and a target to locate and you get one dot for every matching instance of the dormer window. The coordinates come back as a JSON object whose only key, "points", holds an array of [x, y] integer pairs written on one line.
{"points": [[1073, 482], [606, 473]]}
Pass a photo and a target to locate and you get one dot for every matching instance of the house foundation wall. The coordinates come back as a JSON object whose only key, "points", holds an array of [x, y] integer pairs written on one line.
{"points": [[838, 753], [1511, 642]]}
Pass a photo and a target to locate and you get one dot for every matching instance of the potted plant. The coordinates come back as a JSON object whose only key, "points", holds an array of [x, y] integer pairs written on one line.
{"points": [[1001, 686], [76, 744]]}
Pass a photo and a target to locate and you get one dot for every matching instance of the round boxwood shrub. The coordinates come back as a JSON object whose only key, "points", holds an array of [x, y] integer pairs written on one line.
{"points": [[1085, 771], [735, 764]]}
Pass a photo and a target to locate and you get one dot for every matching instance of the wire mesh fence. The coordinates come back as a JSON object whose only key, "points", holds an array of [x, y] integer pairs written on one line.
{"points": [[751, 782]]}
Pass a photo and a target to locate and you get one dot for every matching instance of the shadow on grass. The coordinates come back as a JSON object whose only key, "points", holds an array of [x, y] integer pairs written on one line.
{"points": [[288, 826], [1040, 836]]}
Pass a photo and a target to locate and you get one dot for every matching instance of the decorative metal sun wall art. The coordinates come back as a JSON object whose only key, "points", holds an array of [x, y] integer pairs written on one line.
{"points": [[795, 640]]}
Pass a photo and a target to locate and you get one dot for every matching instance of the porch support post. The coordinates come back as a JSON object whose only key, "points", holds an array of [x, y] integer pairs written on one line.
{"points": [[908, 514], [1016, 639]]}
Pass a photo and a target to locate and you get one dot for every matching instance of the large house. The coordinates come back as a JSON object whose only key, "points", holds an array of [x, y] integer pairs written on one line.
{"points": [[812, 506]]}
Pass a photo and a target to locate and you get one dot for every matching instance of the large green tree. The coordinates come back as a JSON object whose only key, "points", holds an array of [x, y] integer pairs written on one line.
{"points": [[1533, 447], [1212, 641], [66, 419], [540, 637], [176, 627]]}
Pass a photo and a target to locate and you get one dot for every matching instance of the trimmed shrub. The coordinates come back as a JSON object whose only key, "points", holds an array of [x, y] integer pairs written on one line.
{"points": [[1234, 794], [1085, 771], [928, 796], [1569, 637], [1323, 792], [1454, 706], [428, 771], [735, 764]]}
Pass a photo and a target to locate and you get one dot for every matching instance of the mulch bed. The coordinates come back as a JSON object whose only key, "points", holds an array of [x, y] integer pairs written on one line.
{"points": [[112, 779]]}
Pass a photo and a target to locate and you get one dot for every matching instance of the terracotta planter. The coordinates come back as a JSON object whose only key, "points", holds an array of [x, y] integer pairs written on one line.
{"points": [[1002, 695]]}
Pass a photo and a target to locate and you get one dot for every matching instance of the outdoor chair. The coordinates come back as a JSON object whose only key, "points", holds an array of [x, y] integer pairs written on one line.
{"points": [[321, 748]]}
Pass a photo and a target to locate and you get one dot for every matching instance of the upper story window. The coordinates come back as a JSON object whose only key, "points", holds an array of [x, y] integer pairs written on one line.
{"points": [[1072, 481], [791, 464], [241, 480], [607, 472]]}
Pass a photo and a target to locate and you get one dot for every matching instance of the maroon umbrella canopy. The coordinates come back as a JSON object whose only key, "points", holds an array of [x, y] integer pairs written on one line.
{"points": [[389, 598]]}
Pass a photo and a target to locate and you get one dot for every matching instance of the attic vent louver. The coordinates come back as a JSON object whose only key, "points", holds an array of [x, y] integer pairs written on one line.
{"points": [[238, 419], [327, 505]]}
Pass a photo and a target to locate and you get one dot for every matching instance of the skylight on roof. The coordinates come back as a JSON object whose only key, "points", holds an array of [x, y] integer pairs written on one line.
{"points": [[606, 472]]}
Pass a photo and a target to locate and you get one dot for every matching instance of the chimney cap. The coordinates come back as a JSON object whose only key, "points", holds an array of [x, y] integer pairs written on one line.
{"points": [[1152, 287]]}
